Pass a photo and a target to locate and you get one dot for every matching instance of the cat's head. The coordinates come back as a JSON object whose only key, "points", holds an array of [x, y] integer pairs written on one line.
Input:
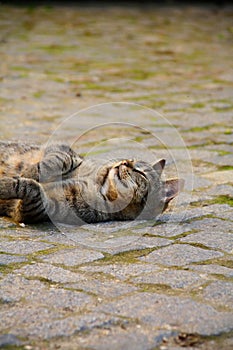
{"points": [[132, 188]]}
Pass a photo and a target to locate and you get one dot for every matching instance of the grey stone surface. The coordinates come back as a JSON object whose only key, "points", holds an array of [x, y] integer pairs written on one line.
{"points": [[9, 340], [44, 324], [13, 288], [6, 259], [120, 271], [213, 269], [165, 230], [180, 254], [166, 311], [129, 337], [23, 247], [212, 239], [221, 190], [220, 292], [176, 279], [61, 299], [103, 288], [50, 272], [212, 225], [71, 257], [19, 317], [120, 245]]}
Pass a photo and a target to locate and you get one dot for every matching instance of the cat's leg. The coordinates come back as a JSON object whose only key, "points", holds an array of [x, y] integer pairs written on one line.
{"points": [[58, 162], [32, 201]]}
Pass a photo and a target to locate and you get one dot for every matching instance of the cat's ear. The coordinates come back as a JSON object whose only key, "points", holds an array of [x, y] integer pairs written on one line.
{"points": [[172, 188], [158, 166]]}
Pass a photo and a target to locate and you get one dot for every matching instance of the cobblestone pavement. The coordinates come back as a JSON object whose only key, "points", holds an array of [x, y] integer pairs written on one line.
{"points": [[162, 284]]}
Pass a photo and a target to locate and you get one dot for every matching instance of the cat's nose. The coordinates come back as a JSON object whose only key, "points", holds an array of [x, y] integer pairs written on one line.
{"points": [[124, 162]]}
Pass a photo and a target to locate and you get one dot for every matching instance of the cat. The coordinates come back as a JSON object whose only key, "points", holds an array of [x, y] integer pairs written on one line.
{"points": [[53, 183]]}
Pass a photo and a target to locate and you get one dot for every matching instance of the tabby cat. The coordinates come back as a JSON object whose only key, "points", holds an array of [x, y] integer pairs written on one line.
{"points": [[55, 184]]}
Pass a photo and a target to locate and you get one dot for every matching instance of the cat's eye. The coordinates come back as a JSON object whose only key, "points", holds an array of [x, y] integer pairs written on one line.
{"points": [[139, 171]]}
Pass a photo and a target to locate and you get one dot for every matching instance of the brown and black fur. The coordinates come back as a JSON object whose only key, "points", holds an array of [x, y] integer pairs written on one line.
{"points": [[54, 183]]}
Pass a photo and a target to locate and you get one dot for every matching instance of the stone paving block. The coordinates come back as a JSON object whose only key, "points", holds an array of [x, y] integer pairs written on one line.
{"points": [[13, 288], [166, 230], [61, 299], [220, 292], [221, 190], [181, 217], [102, 288], [200, 182], [212, 157], [220, 177], [210, 225], [58, 327], [112, 227], [7, 340], [57, 238], [121, 271], [23, 247], [6, 259], [50, 272], [212, 239], [73, 236], [227, 215], [218, 210], [129, 337], [72, 257], [120, 244], [19, 317], [213, 269], [177, 279], [177, 313], [180, 254]]}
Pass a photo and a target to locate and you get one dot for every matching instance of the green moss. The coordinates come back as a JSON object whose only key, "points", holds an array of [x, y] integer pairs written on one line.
{"points": [[4, 100], [227, 263], [198, 163], [39, 93], [222, 82], [225, 167], [154, 287], [224, 199], [138, 138], [198, 128], [228, 132], [182, 235], [125, 257], [9, 268], [20, 69], [223, 109], [157, 104], [139, 74], [221, 152], [58, 80], [57, 49], [198, 105]]}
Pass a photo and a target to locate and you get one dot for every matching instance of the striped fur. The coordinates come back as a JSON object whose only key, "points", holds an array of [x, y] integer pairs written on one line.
{"points": [[53, 183]]}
